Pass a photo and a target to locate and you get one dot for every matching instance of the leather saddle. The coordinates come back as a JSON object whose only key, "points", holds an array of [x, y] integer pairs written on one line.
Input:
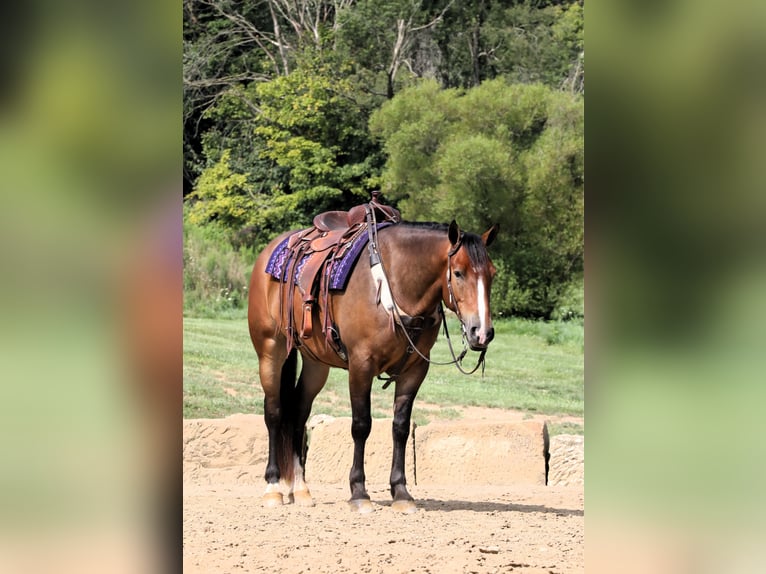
{"points": [[312, 253], [335, 220]]}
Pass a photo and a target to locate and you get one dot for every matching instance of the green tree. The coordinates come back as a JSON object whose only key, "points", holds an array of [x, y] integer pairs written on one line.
{"points": [[278, 122], [499, 152], [222, 195], [536, 41], [285, 149], [392, 42]]}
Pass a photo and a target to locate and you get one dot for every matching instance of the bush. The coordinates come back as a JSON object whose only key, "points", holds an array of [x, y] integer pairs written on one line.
{"points": [[497, 153], [216, 275], [571, 302], [561, 333]]}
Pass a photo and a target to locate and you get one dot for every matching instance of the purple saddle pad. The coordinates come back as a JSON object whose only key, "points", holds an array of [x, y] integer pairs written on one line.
{"points": [[340, 269]]}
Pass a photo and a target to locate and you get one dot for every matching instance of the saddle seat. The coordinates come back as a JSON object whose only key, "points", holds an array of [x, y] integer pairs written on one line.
{"points": [[312, 253], [335, 220]]}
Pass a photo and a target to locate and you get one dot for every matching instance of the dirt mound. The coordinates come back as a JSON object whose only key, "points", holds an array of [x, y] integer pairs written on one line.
{"points": [[234, 449], [331, 452], [220, 451], [567, 461], [481, 453]]}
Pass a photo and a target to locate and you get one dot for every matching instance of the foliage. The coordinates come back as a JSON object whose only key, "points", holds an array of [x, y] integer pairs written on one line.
{"points": [[285, 150], [221, 194], [229, 47], [535, 41], [312, 128], [391, 42], [571, 303], [215, 274], [506, 153], [524, 41], [295, 108]]}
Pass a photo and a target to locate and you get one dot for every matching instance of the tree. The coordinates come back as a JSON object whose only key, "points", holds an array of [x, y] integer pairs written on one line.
{"points": [[536, 41], [229, 45], [386, 37], [298, 144], [219, 57], [499, 152], [279, 98]]}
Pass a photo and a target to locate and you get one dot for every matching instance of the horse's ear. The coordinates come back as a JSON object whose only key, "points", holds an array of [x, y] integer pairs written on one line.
{"points": [[490, 234], [454, 232]]}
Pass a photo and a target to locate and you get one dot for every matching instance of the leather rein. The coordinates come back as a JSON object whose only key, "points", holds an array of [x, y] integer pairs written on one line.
{"points": [[376, 259]]}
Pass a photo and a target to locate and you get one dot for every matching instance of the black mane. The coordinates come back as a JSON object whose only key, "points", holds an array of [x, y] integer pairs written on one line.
{"points": [[474, 245], [427, 225]]}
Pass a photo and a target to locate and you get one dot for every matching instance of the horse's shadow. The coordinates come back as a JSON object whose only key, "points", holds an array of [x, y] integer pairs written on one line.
{"points": [[431, 504]]}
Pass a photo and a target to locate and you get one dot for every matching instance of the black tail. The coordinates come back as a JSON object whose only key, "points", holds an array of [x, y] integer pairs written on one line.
{"points": [[288, 379], [288, 407]]}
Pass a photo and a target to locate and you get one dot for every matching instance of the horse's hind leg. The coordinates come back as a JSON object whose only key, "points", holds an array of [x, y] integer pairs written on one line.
{"points": [[277, 373], [312, 380]]}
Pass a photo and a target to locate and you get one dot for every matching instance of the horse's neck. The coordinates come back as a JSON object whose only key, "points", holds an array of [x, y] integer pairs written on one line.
{"points": [[416, 263]]}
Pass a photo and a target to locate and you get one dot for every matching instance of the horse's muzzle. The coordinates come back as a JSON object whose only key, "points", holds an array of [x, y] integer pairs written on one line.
{"points": [[478, 340]]}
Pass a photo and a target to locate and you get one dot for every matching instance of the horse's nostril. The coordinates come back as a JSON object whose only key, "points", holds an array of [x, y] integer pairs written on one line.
{"points": [[490, 335]]}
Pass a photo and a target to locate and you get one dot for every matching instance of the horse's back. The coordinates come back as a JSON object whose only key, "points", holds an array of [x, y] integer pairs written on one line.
{"points": [[363, 326]]}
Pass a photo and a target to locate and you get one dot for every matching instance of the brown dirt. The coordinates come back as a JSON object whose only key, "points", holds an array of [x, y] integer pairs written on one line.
{"points": [[459, 528]]}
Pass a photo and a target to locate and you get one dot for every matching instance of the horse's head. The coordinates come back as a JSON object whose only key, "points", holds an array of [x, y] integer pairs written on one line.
{"points": [[468, 282]]}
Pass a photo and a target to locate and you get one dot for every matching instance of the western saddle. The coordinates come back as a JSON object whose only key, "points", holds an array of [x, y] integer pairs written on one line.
{"points": [[312, 255]]}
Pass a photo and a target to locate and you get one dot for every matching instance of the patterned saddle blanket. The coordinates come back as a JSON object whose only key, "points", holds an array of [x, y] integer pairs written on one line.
{"points": [[340, 266]]}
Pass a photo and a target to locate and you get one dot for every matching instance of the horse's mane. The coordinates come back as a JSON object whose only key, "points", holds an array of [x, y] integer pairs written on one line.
{"points": [[474, 245]]}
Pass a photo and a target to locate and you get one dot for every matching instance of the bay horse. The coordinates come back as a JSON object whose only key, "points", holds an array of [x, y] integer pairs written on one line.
{"points": [[425, 264]]}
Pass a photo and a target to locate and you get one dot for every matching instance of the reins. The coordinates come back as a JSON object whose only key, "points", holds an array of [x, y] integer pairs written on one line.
{"points": [[376, 259]]}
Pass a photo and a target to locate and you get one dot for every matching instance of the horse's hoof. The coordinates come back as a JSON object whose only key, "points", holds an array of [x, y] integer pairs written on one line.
{"points": [[303, 498], [360, 505], [404, 506], [272, 499]]}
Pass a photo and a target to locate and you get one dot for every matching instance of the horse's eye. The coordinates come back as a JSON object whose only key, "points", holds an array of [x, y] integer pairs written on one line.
{"points": [[459, 274]]}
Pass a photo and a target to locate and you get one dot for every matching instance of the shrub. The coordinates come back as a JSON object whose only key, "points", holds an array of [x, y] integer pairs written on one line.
{"points": [[571, 302], [497, 153], [216, 275]]}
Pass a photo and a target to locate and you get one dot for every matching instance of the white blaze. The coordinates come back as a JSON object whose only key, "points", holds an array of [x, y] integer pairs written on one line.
{"points": [[482, 309]]}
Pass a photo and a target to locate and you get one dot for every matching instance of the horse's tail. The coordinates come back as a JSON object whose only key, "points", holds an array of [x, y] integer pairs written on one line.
{"points": [[288, 405]]}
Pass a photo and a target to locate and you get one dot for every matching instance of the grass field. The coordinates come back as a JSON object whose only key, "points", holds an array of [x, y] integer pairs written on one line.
{"points": [[534, 367]]}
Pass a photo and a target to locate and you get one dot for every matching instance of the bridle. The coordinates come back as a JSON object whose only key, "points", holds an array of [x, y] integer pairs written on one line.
{"points": [[412, 347], [452, 298], [457, 360]]}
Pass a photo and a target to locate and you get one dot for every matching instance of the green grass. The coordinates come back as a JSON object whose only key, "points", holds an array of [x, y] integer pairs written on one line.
{"points": [[220, 369], [531, 366]]}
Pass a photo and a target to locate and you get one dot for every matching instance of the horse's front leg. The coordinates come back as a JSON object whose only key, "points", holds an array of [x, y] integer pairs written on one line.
{"points": [[360, 385], [406, 389]]}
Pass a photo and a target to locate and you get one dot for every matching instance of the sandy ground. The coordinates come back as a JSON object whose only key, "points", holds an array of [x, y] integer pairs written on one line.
{"points": [[523, 528], [463, 529]]}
